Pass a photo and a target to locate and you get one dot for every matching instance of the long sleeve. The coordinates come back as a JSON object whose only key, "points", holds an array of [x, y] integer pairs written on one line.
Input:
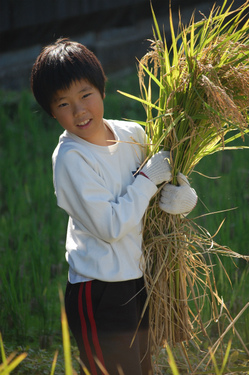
{"points": [[83, 194], [96, 186]]}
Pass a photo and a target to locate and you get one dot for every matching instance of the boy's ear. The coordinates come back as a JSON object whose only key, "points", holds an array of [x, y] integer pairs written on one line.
{"points": [[104, 95]]}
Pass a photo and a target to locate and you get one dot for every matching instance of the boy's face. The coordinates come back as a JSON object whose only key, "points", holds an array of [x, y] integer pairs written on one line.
{"points": [[80, 110]]}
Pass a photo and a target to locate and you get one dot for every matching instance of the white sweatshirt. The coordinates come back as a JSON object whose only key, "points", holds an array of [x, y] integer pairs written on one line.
{"points": [[105, 203]]}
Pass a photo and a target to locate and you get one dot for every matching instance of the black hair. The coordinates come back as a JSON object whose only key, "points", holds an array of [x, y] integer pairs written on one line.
{"points": [[59, 65]]}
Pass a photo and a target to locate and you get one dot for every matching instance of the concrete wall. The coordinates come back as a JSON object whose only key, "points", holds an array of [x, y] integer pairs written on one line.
{"points": [[117, 31]]}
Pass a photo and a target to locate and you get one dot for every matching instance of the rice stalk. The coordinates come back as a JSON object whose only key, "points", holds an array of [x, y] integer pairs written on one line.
{"points": [[11, 362], [54, 363], [196, 97], [66, 339], [219, 340]]}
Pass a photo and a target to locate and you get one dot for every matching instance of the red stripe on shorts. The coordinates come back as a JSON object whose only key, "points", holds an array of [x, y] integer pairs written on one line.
{"points": [[84, 332], [93, 323]]}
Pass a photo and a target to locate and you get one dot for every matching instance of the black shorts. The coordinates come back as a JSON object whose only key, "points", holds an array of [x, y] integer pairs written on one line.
{"points": [[104, 317]]}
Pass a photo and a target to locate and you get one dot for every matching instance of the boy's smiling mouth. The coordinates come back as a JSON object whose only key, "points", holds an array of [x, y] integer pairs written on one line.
{"points": [[83, 123]]}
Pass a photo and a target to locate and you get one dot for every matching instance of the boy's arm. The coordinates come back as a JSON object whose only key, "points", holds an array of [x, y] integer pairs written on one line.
{"points": [[87, 200]]}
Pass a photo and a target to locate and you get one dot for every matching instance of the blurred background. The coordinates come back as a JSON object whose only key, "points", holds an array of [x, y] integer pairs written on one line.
{"points": [[32, 227], [116, 31]]}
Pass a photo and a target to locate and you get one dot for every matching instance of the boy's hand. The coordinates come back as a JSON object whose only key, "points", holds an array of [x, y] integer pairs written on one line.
{"points": [[158, 169], [178, 199]]}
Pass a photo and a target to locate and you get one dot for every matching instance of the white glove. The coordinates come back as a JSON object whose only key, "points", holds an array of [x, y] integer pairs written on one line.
{"points": [[157, 168], [178, 199]]}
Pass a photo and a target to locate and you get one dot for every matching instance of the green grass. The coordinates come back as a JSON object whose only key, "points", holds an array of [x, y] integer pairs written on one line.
{"points": [[31, 234], [32, 228], [229, 192]]}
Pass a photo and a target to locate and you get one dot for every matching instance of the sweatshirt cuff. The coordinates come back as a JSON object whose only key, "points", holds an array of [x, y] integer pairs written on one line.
{"points": [[146, 186]]}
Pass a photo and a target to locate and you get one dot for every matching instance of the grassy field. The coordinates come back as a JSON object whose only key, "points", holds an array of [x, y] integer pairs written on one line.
{"points": [[32, 228]]}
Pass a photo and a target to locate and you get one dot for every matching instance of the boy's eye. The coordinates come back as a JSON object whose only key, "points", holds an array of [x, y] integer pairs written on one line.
{"points": [[62, 105], [85, 95]]}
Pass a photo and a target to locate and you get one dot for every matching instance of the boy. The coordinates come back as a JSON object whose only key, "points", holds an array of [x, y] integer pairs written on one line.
{"points": [[93, 171]]}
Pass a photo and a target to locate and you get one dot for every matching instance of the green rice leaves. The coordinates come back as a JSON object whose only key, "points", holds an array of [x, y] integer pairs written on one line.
{"points": [[196, 96], [199, 86]]}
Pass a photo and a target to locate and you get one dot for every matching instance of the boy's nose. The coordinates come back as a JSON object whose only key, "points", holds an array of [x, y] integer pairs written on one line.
{"points": [[79, 109]]}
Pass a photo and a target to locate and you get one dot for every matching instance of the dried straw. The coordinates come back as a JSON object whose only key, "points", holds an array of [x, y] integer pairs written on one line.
{"points": [[203, 95], [195, 94]]}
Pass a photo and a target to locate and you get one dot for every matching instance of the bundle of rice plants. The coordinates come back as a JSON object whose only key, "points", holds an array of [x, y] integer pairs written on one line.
{"points": [[196, 97]]}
